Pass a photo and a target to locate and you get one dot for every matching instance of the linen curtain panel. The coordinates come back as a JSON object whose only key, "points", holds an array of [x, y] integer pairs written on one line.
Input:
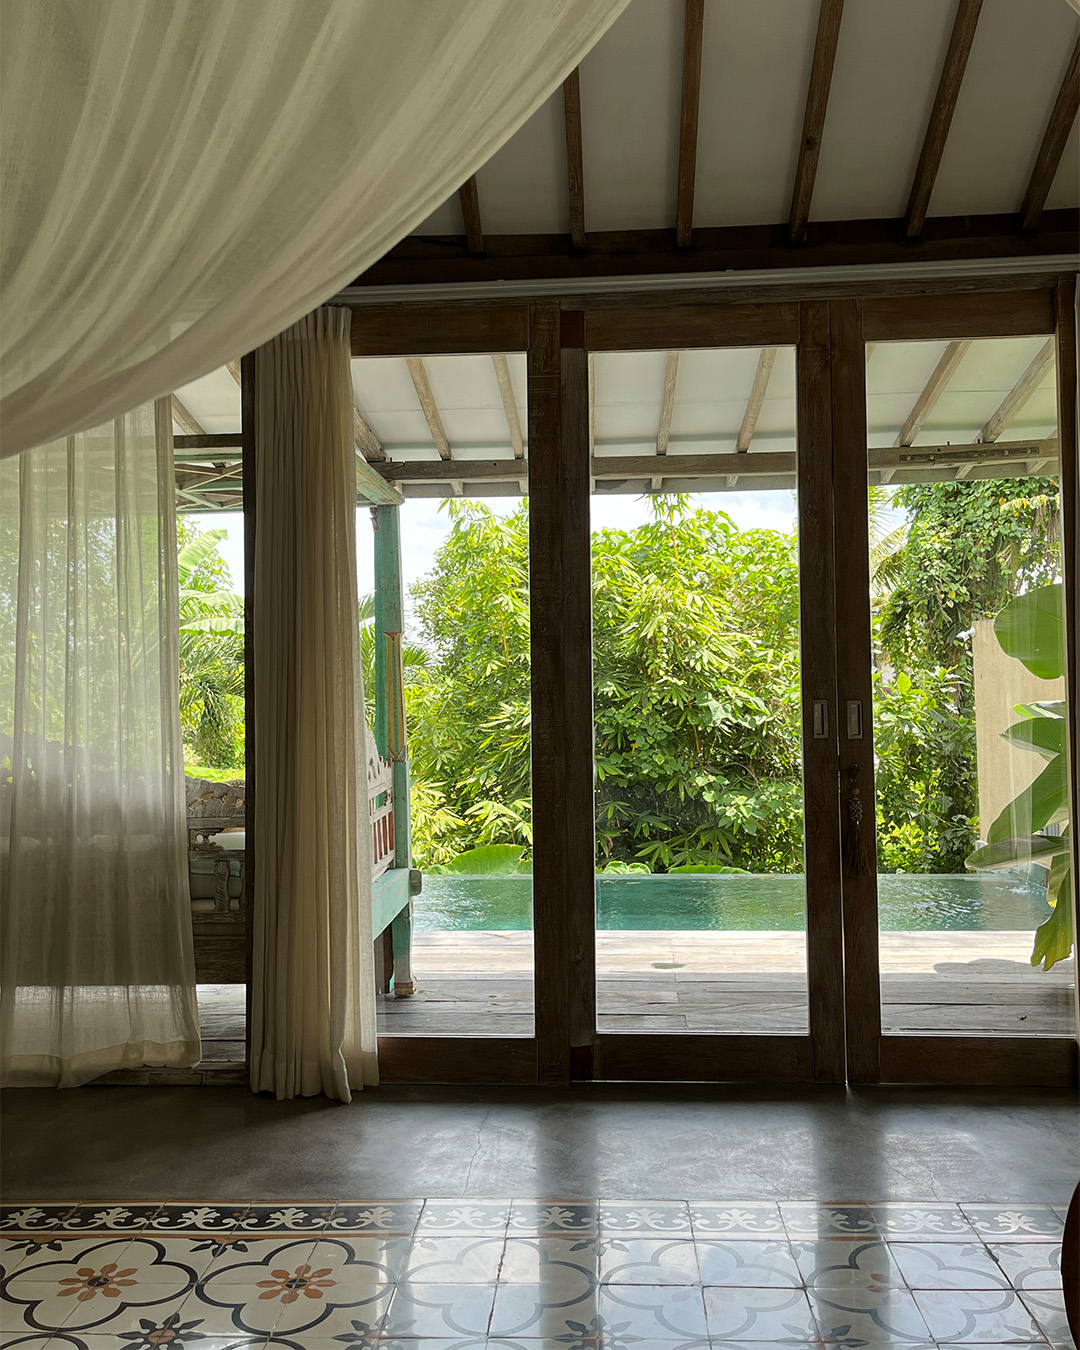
{"points": [[313, 997], [97, 966], [182, 181]]}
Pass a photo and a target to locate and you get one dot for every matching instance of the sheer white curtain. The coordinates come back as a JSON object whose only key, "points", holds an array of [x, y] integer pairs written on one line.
{"points": [[313, 995], [183, 180], [97, 967]]}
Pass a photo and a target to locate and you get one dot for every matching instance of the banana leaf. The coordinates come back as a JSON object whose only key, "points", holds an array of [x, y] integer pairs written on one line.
{"points": [[1043, 735], [1054, 937], [1044, 803], [1032, 629], [1040, 848]]}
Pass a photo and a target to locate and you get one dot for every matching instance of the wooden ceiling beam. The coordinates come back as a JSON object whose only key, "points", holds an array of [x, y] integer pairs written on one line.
{"points": [[933, 389], [575, 164], [730, 463], [693, 26], [667, 408], [757, 397], [367, 442], [190, 426], [1019, 394], [430, 409], [941, 115], [509, 402], [469, 198], [421, 260], [817, 104], [1053, 143]]}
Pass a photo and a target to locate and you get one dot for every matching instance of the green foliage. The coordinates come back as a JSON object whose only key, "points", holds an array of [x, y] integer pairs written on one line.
{"points": [[1030, 628], [490, 860], [211, 656], [971, 545]]}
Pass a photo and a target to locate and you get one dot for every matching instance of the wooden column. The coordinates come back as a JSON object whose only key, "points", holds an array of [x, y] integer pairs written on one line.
{"points": [[1067, 300], [862, 989], [251, 843], [390, 619], [562, 731], [824, 946]]}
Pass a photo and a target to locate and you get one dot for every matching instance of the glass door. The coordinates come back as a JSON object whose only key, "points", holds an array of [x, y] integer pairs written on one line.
{"points": [[716, 916], [954, 771]]}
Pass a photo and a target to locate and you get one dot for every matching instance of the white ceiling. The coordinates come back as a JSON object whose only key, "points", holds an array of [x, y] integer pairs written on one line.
{"points": [[755, 69]]}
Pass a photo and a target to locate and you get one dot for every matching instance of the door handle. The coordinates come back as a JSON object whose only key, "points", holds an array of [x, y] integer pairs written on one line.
{"points": [[854, 719], [821, 719]]}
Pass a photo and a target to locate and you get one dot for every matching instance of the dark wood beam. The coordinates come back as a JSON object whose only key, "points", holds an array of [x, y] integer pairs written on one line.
{"points": [[433, 260], [693, 24], [367, 442], [1019, 394], [1053, 143], [941, 115], [470, 209], [817, 103], [575, 164]]}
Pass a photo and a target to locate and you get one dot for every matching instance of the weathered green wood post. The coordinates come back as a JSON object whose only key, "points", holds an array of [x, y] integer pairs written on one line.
{"points": [[389, 731]]}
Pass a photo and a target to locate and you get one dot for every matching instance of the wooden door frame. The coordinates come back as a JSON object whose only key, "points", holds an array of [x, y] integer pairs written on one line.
{"points": [[873, 1056], [830, 321]]}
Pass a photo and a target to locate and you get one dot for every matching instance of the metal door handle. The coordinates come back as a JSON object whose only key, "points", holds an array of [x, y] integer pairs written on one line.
{"points": [[821, 719], [854, 719]]}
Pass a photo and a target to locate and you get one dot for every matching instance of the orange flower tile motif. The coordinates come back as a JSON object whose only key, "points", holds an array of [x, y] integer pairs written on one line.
{"points": [[88, 1282], [303, 1280]]}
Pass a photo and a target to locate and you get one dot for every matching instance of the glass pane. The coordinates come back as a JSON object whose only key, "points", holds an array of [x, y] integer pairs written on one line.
{"points": [[701, 911], [210, 525], [968, 694], [464, 562]]}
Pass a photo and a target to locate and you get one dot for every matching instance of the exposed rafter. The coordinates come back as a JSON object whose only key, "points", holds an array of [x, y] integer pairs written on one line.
{"points": [[575, 164], [1053, 143], [367, 442], [189, 425], [1019, 394], [757, 397], [693, 24], [233, 367], [430, 409], [510, 410], [941, 115], [470, 210], [932, 391], [817, 103], [667, 408]]}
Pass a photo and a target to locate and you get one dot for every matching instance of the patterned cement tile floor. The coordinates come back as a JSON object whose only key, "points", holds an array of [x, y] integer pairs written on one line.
{"points": [[575, 1275]]}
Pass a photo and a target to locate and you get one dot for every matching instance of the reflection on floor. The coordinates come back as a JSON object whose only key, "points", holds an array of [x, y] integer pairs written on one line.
{"points": [[528, 1273]]}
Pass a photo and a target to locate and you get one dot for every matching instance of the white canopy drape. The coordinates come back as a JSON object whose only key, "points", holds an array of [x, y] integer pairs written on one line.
{"points": [[96, 956], [182, 181]]}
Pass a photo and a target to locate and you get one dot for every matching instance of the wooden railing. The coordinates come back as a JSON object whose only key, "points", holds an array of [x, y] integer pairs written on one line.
{"points": [[380, 779]]}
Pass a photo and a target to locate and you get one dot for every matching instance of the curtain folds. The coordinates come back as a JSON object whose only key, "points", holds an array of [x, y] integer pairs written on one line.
{"points": [[96, 962], [313, 997], [182, 181]]}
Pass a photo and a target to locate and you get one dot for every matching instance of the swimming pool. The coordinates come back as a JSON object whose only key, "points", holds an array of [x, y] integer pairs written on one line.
{"points": [[985, 900]]}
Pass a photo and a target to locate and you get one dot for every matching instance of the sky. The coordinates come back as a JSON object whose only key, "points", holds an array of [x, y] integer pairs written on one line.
{"points": [[424, 526]]}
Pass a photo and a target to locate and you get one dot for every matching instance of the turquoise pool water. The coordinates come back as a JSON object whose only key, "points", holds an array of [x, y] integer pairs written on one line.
{"points": [[990, 900]]}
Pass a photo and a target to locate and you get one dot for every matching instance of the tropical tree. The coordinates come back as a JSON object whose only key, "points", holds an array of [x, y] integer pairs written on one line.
{"points": [[211, 656]]}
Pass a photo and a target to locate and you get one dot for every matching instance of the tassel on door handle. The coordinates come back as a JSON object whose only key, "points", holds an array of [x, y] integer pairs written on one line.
{"points": [[855, 855]]}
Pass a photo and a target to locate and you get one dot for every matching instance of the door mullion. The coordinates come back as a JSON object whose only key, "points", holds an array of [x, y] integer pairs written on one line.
{"points": [[824, 938], [858, 824]]}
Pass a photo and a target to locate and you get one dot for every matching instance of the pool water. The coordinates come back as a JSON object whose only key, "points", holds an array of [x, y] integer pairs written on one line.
{"points": [[987, 900]]}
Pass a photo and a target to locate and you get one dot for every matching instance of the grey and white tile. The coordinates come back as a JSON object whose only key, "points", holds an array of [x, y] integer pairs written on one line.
{"points": [[1047, 1306], [431, 1310], [826, 1221], [839, 1263], [976, 1316], [652, 1261], [868, 1317], [1029, 1265], [451, 1217], [948, 1265], [745, 1264], [759, 1315], [749, 1220], [1015, 1223], [922, 1223], [453, 1260], [646, 1218]]}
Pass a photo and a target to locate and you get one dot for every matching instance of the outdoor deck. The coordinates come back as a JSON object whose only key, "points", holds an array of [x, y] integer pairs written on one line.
{"points": [[973, 983]]}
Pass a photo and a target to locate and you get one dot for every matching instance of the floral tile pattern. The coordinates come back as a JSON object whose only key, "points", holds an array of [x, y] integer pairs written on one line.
{"points": [[529, 1273]]}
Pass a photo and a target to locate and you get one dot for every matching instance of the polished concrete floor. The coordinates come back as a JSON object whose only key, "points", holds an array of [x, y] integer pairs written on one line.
{"points": [[696, 1143]]}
